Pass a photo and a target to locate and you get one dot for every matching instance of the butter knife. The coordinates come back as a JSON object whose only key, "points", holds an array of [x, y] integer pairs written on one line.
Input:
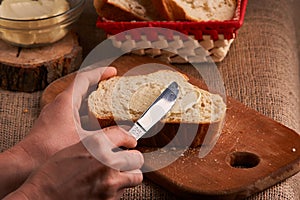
{"points": [[158, 109]]}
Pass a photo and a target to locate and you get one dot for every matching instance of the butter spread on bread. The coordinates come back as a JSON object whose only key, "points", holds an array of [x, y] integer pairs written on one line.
{"points": [[126, 98]]}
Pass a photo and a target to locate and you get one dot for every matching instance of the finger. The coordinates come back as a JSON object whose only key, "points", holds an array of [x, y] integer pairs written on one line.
{"points": [[131, 178], [118, 137], [85, 79], [125, 127], [109, 72], [102, 143], [127, 160], [98, 144], [91, 77], [102, 72]]}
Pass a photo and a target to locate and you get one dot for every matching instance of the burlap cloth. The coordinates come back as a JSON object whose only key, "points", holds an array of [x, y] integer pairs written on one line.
{"points": [[261, 70]]}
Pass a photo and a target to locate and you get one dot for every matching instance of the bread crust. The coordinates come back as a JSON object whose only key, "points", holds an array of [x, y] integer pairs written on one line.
{"points": [[170, 10], [98, 4], [174, 12], [173, 134], [105, 9]]}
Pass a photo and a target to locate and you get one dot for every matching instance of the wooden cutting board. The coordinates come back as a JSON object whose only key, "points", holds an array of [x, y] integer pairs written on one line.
{"points": [[253, 152]]}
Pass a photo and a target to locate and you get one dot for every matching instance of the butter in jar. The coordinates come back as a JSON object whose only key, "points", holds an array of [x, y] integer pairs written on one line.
{"points": [[32, 22]]}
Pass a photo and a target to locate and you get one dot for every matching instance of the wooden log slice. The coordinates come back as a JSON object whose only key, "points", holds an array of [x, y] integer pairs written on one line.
{"points": [[32, 69]]}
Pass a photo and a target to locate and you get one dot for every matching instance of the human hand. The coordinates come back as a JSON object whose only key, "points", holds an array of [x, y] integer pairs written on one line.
{"points": [[73, 173], [56, 128]]}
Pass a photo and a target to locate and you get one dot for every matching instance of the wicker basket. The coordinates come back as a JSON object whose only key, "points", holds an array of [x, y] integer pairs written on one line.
{"points": [[214, 36]]}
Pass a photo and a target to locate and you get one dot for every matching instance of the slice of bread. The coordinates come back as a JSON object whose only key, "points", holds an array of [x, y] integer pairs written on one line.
{"points": [[196, 10], [126, 10], [160, 10], [124, 99]]}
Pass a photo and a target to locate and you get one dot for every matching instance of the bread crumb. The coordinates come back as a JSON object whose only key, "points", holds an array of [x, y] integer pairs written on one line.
{"points": [[25, 110], [163, 151], [294, 150], [173, 148]]}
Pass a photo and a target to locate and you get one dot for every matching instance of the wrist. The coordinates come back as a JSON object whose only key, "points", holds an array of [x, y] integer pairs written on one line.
{"points": [[16, 195], [26, 192], [15, 167], [22, 159], [31, 150], [20, 177]]}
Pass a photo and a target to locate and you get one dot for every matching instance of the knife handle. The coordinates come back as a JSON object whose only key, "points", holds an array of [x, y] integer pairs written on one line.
{"points": [[137, 131]]}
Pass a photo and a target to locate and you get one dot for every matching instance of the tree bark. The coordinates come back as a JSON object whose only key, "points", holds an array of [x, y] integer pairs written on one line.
{"points": [[32, 69]]}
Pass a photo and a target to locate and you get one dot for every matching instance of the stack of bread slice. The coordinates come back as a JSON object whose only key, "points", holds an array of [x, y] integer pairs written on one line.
{"points": [[170, 10]]}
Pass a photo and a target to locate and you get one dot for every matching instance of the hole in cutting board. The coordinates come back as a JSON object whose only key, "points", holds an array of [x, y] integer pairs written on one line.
{"points": [[243, 160]]}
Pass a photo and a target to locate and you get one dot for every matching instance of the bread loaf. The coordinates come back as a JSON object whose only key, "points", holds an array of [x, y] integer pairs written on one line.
{"points": [[129, 10], [124, 99], [160, 10], [196, 10]]}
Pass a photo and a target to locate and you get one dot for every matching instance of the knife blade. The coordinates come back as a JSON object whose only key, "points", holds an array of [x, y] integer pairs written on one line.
{"points": [[156, 111]]}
